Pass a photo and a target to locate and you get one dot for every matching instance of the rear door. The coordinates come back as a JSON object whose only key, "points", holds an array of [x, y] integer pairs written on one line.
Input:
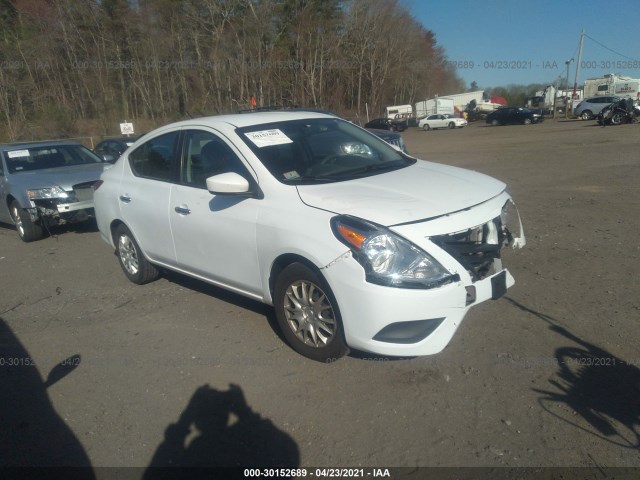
{"points": [[144, 195]]}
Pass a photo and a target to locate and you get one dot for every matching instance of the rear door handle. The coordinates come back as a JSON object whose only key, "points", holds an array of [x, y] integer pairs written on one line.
{"points": [[183, 210], [125, 198]]}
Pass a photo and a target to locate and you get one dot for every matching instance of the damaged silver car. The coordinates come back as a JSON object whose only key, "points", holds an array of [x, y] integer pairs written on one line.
{"points": [[46, 183]]}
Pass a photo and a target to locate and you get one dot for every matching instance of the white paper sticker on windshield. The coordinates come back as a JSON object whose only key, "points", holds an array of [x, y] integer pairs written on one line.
{"points": [[292, 175], [267, 138], [18, 153]]}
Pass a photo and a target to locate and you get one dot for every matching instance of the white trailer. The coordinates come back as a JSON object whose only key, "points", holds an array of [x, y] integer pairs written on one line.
{"points": [[450, 103], [442, 106], [402, 111], [624, 87]]}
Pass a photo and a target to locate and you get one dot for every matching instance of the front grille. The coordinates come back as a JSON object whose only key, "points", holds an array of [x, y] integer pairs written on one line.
{"points": [[476, 249]]}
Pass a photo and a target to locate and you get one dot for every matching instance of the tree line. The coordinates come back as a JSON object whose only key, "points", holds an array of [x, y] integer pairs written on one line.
{"points": [[64, 61]]}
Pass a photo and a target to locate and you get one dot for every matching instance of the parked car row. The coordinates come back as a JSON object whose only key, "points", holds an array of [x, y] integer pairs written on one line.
{"points": [[355, 244]]}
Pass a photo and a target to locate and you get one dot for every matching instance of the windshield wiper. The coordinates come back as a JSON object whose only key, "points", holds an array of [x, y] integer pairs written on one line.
{"points": [[313, 179]]}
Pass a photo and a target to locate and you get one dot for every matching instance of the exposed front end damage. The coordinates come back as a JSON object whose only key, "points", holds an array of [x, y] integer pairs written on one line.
{"points": [[71, 206], [480, 249], [473, 245]]}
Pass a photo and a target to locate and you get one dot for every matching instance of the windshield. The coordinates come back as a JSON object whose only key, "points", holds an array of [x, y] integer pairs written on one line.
{"points": [[48, 156], [320, 150]]}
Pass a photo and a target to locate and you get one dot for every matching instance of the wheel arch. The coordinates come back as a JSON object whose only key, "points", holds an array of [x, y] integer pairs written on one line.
{"points": [[8, 201], [113, 227], [282, 262]]}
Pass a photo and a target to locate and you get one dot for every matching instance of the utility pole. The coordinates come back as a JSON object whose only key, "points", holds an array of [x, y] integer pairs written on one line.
{"points": [[566, 90], [575, 83]]}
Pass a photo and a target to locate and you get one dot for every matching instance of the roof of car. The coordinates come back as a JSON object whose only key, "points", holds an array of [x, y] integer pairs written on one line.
{"points": [[12, 146], [132, 138], [254, 118]]}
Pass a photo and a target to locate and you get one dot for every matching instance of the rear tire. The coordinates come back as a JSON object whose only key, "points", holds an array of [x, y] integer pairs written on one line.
{"points": [[133, 262], [308, 315], [495, 123], [28, 231]]}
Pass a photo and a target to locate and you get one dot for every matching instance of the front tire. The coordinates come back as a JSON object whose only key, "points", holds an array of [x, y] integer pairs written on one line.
{"points": [[495, 123], [586, 115], [452, 125], [308, 315], [133, 262], [426, 127], [28, 231], [527, 121], [616, 119]]}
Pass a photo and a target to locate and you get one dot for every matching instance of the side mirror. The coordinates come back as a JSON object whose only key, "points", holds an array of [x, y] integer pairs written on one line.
{"points": [[107, 157], [228, 184]]}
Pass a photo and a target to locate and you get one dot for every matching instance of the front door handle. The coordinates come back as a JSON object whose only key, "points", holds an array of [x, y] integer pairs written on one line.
{"points": [[125, 198], [183, 210]]}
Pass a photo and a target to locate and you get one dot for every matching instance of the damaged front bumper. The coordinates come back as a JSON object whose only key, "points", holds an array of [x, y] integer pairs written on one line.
{"points": [[76, 207], [408, 322]]}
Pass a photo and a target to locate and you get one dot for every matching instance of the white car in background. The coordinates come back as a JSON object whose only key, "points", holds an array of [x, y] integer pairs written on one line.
{"points": [[441, 121], [356, 244]]}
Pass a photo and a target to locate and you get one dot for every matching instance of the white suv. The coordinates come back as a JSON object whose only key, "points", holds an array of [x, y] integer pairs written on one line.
{"points": [[356, 244], [591, 107]]}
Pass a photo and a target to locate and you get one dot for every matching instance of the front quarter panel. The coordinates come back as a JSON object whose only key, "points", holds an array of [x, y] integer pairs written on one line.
{"points": [[286, 226]]}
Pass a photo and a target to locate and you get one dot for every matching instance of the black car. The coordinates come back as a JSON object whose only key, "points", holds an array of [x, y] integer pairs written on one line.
{"points": [[387, 124], [512, 115], [110, 149]]}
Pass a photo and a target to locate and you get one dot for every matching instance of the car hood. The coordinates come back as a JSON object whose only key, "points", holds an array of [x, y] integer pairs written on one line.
{"points": [[63, 177], [422, 191]]}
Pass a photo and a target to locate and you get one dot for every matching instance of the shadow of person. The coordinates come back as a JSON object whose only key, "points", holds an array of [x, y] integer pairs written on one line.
{"points": [[219, 429], [595, 384], [602, 388], [32, 434]]}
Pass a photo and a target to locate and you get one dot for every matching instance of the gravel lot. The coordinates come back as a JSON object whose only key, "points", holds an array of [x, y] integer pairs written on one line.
{"points": [[546, 376]]}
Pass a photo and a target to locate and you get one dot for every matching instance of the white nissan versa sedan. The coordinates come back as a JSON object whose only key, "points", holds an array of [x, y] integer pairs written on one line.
{"points": [[355, 244]]}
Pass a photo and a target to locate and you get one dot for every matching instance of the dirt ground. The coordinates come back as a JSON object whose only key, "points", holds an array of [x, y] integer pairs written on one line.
{"points": [[546, 376]]}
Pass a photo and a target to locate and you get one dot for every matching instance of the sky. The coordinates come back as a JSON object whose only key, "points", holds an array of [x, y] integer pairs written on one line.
{"points": [[502, 42]]}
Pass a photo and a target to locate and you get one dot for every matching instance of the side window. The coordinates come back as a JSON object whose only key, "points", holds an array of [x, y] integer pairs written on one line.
{"points": [[204, 155], [155, 158]]}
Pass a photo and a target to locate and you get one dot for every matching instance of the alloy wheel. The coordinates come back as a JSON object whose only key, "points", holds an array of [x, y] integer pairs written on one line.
{"points": [[128, 254], [309, 314]]}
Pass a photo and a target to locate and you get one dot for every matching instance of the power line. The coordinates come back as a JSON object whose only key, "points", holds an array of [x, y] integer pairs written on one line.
{"points": [[607, 48]]}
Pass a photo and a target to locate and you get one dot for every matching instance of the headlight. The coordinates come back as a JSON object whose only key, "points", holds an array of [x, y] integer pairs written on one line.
{"points": [[46, 193], [512, 230], [387, 258]]}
